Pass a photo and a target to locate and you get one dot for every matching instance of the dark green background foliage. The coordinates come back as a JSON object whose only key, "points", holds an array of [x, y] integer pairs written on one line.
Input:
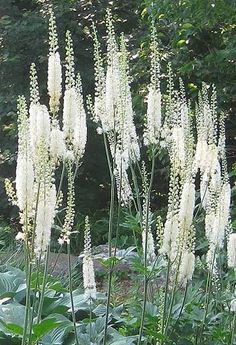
{"points": [[197, 36]]}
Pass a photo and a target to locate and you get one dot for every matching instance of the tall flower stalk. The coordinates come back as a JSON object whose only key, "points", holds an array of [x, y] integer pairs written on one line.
{"points": [[113, 113], [42, 146]]}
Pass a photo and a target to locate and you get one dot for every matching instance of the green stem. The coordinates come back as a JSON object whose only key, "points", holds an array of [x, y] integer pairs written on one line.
{"points": [[172, 295], [44, 282], [109, 255], [28, 264], [61, 180], [143, 309], [145, 253], [37, 270], [71, 294], [165, 297], [207, 301], [134, 235], [56, 260], [110, 227], [181, 309], [34, 304], [90, 320], [170, 308], [28, 293], [117, 225], [134, 178], [233, 329], [108, 156], [200, 207]]}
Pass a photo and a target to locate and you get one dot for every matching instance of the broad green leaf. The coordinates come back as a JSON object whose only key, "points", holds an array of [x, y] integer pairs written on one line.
{"points": [[12, 313], [62, 304], [57, 335], [100, 310], [10, 282], [13, 328], [45, 326]]}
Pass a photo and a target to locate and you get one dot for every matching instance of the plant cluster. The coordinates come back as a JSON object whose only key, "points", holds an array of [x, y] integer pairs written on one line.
{"points": [[193, 137]]}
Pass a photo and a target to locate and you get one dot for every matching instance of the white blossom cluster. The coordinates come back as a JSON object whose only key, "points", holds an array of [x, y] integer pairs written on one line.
{"points": [[206, 156], [177, 239], [113, 109], [88, 268], [35, 187], [42, 145], [169, 123], [232, 250], [54, 67], [153, 125], [210, 160], [45, 141], [74, 115], [147, 236]]}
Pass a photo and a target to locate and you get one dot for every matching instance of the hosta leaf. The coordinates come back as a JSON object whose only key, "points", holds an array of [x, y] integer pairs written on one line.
{"points": [[151, 309], [62, 304], [118, 339], [124, 341], [45, 326], [20, 292], [100, 310], [57, 335], [12, 313], [13, 328], [116, 312], [10, 282]]}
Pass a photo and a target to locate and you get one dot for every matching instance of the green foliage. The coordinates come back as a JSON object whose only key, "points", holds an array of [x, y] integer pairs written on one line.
{"points": [[186, 308], [56, 327]]}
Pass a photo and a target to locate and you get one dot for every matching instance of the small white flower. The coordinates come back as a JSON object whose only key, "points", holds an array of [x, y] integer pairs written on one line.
{"points": [[201, 155], [61, 241], [44, 220], [39, 120], [57, 143], [233, 305], [24, 182], [69, 155], [153, 126], [99, 130], [186, 268], [170, 238], [54, 81], [20, 236], [187, 204], [112, 87], [232, 251], [70, 112], [178, 143], [151, 256], [88, 267]]}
